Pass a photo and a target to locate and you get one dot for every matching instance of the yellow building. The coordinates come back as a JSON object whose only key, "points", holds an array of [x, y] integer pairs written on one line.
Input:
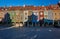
{"points": [[19, 14], [56, 14]]}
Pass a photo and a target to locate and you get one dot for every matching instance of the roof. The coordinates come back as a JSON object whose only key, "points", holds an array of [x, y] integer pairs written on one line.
{"points": [[29, 7]]}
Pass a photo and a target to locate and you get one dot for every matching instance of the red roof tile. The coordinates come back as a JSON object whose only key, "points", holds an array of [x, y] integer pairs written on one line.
{"points": [[30, 7]]}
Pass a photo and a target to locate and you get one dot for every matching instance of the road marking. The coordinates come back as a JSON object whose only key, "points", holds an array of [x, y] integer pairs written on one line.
{"points": [[7, 28], [19, 36], [38, 30], [50, 30], [35, 36], [24, 35]]}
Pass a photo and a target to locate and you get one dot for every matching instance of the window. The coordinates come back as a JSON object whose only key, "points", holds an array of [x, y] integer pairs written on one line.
{"points": [[5, 9], [45, 16], [55, 13], [12, 17], [55, 8], [21, 18], [0, 19], [25, 13], [0, 13], [34, 13], [21, 14], [17, 13], [55, 18], [52, 14], [59, 13], [25, 18]]}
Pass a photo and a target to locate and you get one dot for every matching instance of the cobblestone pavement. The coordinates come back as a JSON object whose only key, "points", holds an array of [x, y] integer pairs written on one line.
{"points": [[30, 33]]}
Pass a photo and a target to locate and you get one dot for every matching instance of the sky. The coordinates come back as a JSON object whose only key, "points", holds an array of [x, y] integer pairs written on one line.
{"points": [[27, 2]]}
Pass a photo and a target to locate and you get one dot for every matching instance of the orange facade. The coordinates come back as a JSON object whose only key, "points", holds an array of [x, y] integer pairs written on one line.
{"points": [[41, 15]]}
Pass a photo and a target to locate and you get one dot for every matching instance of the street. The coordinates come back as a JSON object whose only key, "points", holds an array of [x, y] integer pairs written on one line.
{"points": [[30, 33]]}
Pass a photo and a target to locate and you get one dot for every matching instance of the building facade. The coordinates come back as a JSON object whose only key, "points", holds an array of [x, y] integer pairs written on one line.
{"points": [[34, 14]]}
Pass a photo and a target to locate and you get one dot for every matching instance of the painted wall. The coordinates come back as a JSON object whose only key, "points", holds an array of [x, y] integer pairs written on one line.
{"points": [[50, 15], [56, 14], [12, 15], [45, 14], [25, 16], [41, 15]]}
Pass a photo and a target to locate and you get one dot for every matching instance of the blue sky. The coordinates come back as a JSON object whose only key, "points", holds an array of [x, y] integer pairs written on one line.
{"points": [[27, 2]]}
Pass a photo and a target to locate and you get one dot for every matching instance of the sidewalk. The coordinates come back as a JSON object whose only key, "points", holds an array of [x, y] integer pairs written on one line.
{"points": [[5, 25]]}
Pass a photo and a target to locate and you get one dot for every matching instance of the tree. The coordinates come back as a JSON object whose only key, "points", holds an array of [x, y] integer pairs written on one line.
{"points": [[6, 19], [59, 4]]}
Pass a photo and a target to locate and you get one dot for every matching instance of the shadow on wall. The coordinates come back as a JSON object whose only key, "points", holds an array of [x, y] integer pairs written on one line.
{"points": [[6, 19]]}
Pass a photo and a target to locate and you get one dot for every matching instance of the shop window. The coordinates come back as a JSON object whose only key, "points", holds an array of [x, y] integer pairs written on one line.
{"points": [[41, 17], [30, 18], [17, 13]]}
